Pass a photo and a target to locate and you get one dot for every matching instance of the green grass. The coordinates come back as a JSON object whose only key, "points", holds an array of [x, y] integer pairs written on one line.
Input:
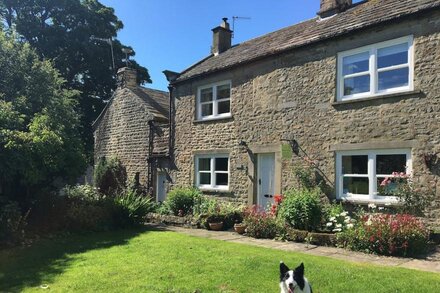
{"points": [[155, 261]]}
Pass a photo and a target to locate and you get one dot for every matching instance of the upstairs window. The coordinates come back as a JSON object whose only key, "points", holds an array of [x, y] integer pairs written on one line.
{"points": [[212, 172], [376, 70], [214, 101]]}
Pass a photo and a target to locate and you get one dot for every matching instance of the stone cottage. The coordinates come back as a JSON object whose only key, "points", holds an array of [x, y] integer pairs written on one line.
{"points": [[134, 127], [354, 91]]}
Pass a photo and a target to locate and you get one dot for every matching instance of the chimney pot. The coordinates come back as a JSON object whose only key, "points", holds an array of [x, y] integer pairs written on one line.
{"points": [[221, 38], [332, 7], [127, 77]]}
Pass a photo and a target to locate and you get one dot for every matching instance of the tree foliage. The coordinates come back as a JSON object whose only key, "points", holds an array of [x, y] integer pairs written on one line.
{"points": [[39, 139], [61, 30]]}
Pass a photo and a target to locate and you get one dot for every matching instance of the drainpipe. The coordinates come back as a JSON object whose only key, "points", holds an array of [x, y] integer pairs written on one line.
{"points": [[170, 123]]}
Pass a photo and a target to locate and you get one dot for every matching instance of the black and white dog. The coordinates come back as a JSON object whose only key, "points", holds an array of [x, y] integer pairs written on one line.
{"points": [[293, 281]]}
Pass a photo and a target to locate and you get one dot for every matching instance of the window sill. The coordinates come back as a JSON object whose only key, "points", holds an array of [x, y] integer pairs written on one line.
{"points": [[377, 97], [362, 201], [214, 119], [214, 190]]}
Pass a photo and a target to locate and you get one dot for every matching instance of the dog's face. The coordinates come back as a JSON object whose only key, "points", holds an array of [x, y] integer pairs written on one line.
{"points": [[292, 280]]}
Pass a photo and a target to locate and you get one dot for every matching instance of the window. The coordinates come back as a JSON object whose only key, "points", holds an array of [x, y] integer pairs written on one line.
{"points": [[360, 173], [376, 70], [214, 101], [212, 172]]}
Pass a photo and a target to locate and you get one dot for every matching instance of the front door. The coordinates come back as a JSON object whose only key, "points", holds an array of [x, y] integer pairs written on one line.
{"points": [[266, 178], [160, 186]]}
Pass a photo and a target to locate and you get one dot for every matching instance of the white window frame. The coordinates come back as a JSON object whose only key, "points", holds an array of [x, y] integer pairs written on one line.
{"points": [[214, 102], [374, 71], [373, 195], [213, 172]]}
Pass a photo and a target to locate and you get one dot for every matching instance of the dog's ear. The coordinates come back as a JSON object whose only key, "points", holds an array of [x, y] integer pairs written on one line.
{"points": [[283, 270], [300, 269], [298, 276]]}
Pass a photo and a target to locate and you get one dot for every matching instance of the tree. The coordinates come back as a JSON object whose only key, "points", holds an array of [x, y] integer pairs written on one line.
{"points": [[39, 139], [61, 30]]}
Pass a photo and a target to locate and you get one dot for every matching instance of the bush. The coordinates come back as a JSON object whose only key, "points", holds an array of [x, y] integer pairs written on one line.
{"points": [[110, 176], [182, 200], [260, 224], [133, 207], [337, 219], [401, 235], [12, 222], [301, 209]]}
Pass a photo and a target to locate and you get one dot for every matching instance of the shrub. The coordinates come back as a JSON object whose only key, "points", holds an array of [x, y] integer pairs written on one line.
{"points": [[337, 219], [133, 207], [110, 176], [301, 209], [182, 200], [400, 234], [83, 193], [12, 222], [260, 224], [401, 185]]}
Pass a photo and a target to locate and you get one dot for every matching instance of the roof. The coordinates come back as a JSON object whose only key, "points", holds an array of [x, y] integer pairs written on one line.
{"points": [[358, 16], [156, 101]]}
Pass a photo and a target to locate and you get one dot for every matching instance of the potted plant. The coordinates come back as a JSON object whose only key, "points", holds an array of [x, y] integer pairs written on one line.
{"points": [[215, 222], [240, 228]]}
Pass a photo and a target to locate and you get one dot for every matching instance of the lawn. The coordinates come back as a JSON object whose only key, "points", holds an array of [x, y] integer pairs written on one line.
{"points": [[157, 261]]}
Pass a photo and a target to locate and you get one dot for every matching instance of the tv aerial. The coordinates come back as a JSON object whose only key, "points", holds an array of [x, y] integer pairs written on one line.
{"points": [[108, 41], [235, 18], [127, 57]]}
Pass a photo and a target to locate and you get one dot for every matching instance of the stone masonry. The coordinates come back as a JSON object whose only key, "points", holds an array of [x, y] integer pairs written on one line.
{"points": [[292, 94]]}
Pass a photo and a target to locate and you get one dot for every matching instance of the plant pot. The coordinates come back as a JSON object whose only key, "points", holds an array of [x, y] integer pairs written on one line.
{"points": [[216, 226], [240, 228]]}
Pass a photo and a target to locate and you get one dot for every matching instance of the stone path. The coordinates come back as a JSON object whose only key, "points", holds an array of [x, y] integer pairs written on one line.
{"points": [[430, 264]]}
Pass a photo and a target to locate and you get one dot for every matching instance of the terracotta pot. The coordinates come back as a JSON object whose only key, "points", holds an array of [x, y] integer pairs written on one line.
{"points": [[240, 228], [216, 226]]}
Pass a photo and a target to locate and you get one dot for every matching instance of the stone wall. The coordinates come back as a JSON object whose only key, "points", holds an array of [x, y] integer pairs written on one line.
{"points": [[293, 94], [123, 132]]}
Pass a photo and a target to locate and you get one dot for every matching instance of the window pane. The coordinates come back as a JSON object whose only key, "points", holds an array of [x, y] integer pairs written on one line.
{"points": [[355, 185], [393, 55], [221, 164], [356, 85], [224, 107], [393, 78], [388, 187], [204, 164], [206, 109], [356, 63], [355, 164], [387, 164], [223, 92], [206, 95], [221, 179], [205, 178]]}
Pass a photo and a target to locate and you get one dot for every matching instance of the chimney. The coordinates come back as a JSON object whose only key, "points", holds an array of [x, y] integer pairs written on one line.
{"points": [[221, 38], [127, 77], [332, 7]]}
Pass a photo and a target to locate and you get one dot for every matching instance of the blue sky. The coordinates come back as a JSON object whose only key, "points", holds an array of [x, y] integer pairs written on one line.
{"points": [[174, 34]]}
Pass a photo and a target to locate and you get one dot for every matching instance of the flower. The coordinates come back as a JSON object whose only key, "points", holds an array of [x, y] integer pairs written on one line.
{"points": [[338, 225], [343, 214], [349, 226], [371, 206], [381, 208], [332, 219], [329, 224], [337, 230]]}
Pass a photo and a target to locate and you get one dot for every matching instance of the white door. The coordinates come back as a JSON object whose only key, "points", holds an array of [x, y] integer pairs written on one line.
{"points": [[266, 178], [160, 186]]}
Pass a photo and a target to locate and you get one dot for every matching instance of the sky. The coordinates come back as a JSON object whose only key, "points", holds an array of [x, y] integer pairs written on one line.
{"points": [[174, 34]]}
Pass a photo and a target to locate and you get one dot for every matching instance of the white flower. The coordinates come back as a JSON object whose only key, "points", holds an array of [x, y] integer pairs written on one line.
{"points": [[338, 225], [329, 224], [344, 214], [337, 230], [381, 208], [349, 226], [347, 220], [332, 218], [368, 223], [371, 206]]}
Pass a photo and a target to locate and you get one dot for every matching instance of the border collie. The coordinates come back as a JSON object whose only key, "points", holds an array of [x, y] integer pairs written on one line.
{"points": [[293, 281]]}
